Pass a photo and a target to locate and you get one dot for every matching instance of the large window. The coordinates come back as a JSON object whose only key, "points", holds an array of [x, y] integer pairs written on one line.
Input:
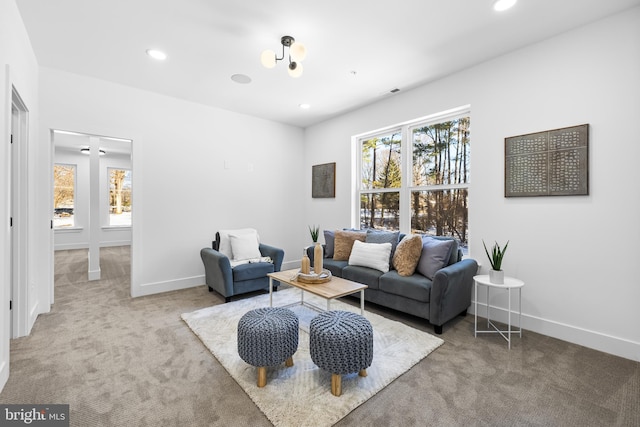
{"points": [[431, 196], [64, 194], [119, 197]]}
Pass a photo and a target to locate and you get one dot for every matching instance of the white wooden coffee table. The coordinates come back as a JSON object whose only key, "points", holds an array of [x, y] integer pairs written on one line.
{"points": [[335, 288]]}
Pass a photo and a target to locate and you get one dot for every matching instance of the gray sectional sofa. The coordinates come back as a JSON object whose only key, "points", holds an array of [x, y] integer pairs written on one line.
{"points": [[438, 300]]}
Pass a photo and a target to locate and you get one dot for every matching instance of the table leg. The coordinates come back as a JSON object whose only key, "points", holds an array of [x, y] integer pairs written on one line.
{"points": [[328, 304], [475, 310], [488, 306], [270, 291], [362, 302], [509, 319], [520, 314]]}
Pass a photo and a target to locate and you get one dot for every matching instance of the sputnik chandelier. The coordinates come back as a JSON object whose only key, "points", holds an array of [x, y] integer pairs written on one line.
{"points": [[297, 53]]}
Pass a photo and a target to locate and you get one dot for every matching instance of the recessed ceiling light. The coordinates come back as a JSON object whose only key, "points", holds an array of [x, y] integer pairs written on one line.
{"points": [[304, 106], [241, 78], [157, 54], [500, 5]]}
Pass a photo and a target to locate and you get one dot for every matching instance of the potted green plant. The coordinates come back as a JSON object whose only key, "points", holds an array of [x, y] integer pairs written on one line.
{"points": [[315, 231], [318, 251], [496, 275]]}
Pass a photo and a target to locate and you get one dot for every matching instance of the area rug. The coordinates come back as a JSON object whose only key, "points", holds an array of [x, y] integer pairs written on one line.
{"points": [[301, 395]]}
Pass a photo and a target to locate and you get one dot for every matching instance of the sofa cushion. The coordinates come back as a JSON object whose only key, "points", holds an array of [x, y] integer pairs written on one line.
{"points": [[335, 267], [365, 275], [224, 243], [329, 240], [372, 255], [435, 255], [416, 287], [244, 246], [453, 258], [407, 255], [378, 236], [255, 270], [344, 242]]}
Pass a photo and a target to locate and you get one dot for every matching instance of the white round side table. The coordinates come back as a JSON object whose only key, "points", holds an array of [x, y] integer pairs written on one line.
{"points": [[509, 283]]}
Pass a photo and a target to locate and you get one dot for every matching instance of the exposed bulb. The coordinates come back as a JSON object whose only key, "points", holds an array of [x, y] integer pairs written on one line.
{"points": [[268, 58], [295, 69], [298, 52]]}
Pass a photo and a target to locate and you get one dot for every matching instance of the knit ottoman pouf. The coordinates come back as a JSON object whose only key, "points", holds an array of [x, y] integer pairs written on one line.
{"points": [[341, 342], [267, 337]]}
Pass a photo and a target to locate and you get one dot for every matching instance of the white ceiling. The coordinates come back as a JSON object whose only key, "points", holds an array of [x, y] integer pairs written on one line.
{"points": [[389, 44]]}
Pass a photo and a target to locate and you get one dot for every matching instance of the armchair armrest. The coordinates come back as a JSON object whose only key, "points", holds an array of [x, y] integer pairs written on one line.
{"points": [[451, 291], [276, 254], [218, 273]]}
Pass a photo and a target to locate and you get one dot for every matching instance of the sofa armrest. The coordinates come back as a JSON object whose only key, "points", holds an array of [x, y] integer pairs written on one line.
{"points": [[451, 291], [276, 254], [218, 273]]}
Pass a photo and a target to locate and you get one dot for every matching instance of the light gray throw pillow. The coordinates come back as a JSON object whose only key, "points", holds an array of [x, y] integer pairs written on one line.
{"points": [[435, 255], [378, 236]]}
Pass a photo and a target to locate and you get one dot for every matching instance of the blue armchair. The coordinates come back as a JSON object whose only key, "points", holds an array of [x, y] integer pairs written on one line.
{"points": [[240, 279]]}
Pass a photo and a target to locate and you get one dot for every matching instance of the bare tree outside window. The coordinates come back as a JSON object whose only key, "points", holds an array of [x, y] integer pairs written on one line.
{"points": [[64, 184], [440, 172], [119, 197], [437, 191], [381, 182]]}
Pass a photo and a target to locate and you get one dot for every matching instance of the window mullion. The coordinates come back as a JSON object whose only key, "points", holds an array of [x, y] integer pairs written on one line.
{"points": [[407, 181]]}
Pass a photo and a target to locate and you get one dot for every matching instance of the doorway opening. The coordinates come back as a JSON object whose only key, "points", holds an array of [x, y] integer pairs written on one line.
{"points": [[93, 204]]}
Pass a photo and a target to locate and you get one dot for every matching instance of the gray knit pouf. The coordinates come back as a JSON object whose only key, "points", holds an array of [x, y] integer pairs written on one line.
{"points": [[341, 342], [267, 337]]}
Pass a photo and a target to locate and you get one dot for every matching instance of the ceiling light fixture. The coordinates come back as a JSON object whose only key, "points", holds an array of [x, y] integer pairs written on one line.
{"points": [[157, 54], [87, 150], [297, 53], [501, 5]]}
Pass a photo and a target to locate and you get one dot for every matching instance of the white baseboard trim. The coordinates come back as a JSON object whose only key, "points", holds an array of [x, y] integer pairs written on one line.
{"points": [[166, 286], [289, 265], [595, 340]]}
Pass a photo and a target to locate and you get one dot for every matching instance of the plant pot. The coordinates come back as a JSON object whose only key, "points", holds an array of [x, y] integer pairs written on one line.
{"points": [[496, 276]]}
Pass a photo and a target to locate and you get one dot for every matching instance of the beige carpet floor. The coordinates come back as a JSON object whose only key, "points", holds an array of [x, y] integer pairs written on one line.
{"points": [[120, 361]]}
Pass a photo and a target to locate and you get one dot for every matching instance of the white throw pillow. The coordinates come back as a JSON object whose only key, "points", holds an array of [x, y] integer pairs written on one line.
{"points": [[224, 245], [372, 255], [244, 246]]}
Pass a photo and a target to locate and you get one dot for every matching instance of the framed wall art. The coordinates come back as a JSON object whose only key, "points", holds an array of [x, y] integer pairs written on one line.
{"points": [[323, 180], [549, 163]]}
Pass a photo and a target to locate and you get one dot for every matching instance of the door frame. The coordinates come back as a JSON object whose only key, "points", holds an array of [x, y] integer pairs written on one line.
{"points": [[19, 213]]}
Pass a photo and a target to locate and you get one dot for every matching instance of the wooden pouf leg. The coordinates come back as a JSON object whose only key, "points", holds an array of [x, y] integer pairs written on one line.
{"points": [[336, 384], [289, 362], [363, 372], [262, 376]]}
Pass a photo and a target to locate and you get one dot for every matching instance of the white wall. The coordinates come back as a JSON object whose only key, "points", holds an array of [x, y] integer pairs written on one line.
{"points": [[182, 193], [78, 236], [576, 254], [19, 69]]}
